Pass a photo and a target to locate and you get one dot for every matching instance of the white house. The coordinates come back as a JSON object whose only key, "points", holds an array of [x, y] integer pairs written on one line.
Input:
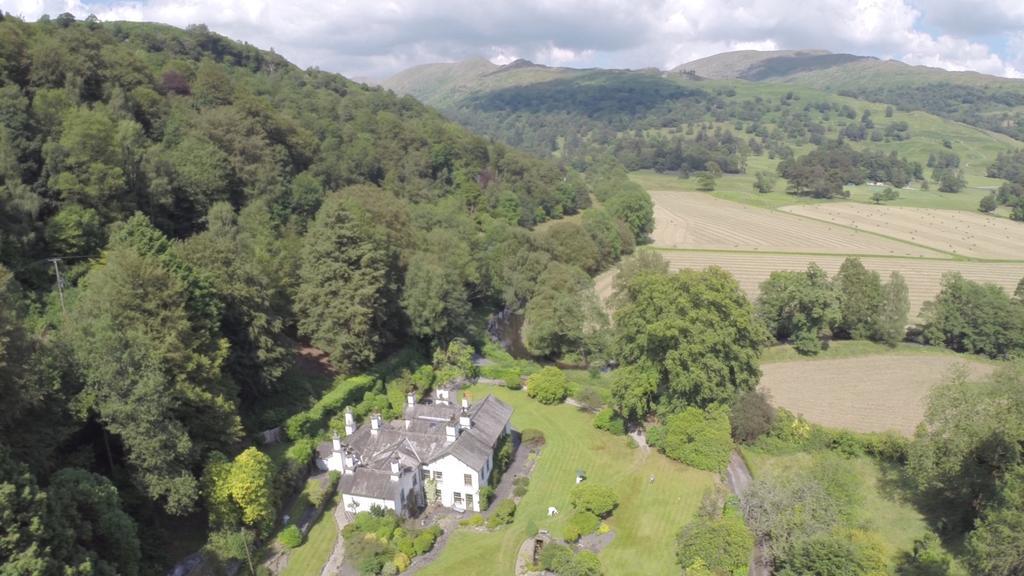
{"points": [[447, 447]]}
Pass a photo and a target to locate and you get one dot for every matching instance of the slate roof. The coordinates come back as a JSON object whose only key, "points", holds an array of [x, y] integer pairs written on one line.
{"points": [[369, 483], [419, 438]]}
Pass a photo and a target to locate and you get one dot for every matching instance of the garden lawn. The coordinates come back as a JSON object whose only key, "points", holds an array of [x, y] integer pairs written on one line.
{"points": [[310, 557], [645, 523]]}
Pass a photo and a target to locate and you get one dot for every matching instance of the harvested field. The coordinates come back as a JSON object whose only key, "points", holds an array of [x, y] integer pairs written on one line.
{"points": [[865, 394], [697, 220], [964, 233], [923, 276]]}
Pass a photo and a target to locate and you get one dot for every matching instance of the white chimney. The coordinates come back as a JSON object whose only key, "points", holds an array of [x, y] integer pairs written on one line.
{"points": [[396, 469], [348, 463], [410, 399], [350, 422], [374, 423], [465, 422], [450, 432], [465, 403], [442, 396], [336, 441]]}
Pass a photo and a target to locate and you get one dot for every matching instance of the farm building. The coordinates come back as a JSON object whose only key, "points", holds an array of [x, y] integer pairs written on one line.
{"points": [[441, 445]]}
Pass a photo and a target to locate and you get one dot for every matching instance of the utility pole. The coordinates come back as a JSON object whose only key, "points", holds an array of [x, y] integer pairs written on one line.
{"points": [[60, 286]]}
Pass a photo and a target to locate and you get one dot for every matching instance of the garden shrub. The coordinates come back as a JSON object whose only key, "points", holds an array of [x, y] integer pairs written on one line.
{"points": [[532, 437], [521, 486], [584, 523], [593, 497], [698, 438], [724, 543], [401, 561], [345, 392], [751, 417], [561, 560], [609, 421], [290, 536], [504, 513], [549, 386], [374, 539], [424, 542], [473, 521], [486, 497]]}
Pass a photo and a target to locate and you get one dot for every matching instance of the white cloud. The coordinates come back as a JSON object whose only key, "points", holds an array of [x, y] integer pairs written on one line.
{"points": [[380, 37]]}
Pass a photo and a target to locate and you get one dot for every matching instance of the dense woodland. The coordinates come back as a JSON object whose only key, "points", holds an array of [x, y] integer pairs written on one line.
{"points": [[178, 212]]}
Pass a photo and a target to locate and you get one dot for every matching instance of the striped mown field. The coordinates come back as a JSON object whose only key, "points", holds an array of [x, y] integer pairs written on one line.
{"points": [[970, 234], [696, 220], [646, 522], [875, 393], [923, 276]]}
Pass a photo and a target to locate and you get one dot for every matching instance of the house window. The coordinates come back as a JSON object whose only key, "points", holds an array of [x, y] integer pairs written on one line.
{"points": [[458, 499], [469, 501], [437, 476], [437, 494], [468, 479]]}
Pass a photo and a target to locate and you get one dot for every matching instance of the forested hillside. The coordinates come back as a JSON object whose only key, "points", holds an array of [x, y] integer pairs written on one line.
{"points": [[179, 212], [981, 100], [766, 110]]}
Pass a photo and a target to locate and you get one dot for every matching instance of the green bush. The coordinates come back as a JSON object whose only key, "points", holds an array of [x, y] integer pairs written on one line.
{"points": [[609, 421], [723, 543], [698, 438], [593, 497], [549, 386], [561, 560], [583, 523], [345, 392], [504, 513], [290, 537], [424, 542], [473, 521], [486, 497], [521, 486], [532, 437], [751, 417]]}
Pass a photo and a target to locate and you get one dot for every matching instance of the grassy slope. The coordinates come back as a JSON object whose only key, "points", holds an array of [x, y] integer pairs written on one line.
{"points": [[884, 509], [645, 523], [310, 557]]}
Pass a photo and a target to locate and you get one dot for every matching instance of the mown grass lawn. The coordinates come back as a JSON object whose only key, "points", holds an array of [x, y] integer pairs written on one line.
{"points": [[646, 522], [310, 557], [856, 348]]}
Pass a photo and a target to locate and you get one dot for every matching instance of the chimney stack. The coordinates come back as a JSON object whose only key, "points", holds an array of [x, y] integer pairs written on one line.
{"points": [[451, 432], [336, 442], [442, 396], [374, 423], [465, 422], [348, 463], [465, 403], [410, 399], [350, 422], [396, 468]]}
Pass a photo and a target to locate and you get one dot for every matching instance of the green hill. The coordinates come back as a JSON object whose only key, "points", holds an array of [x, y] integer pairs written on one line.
{"points": [[763, 107]]}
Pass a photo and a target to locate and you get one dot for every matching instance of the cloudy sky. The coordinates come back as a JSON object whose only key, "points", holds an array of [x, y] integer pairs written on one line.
{"points": [[376, 38]]}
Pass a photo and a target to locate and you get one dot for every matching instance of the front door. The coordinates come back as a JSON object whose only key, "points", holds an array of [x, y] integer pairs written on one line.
{"points": [[469, 502]]}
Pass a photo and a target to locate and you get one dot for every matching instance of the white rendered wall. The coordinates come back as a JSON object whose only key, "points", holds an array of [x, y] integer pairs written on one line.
{"points": [[452, 480]]}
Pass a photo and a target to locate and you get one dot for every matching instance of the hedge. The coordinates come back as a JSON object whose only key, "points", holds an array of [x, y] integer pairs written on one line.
{"points": [[345, 392]]}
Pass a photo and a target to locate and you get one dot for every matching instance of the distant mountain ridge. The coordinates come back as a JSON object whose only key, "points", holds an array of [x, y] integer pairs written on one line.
{"points": [[981, 100]]}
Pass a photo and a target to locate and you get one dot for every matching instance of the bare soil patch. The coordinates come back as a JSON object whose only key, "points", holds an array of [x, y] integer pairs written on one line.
{"points": [[963, 233], [697, 220], [866, 394]]}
